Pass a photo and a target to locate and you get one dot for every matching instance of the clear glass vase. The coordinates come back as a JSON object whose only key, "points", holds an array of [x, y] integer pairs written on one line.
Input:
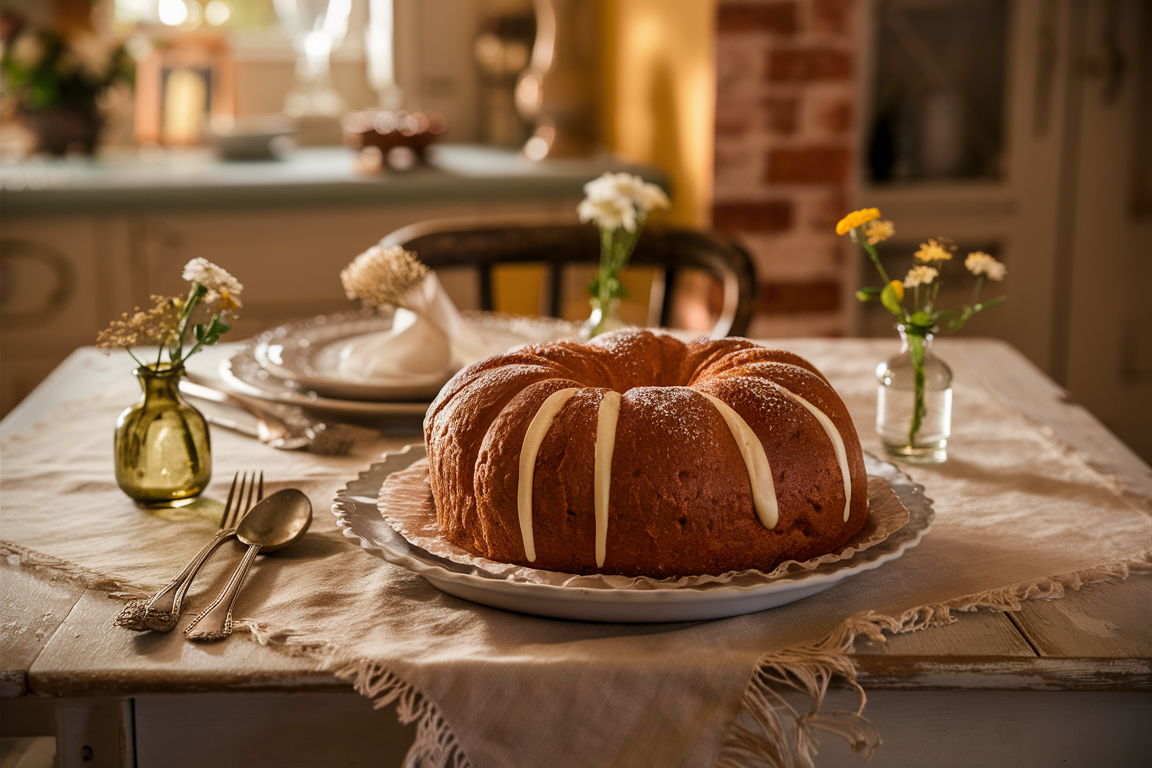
{"points": [[605, 317], [914, 400], [162, 449]]}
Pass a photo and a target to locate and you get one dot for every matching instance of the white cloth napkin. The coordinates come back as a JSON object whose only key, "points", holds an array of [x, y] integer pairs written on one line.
{"points": [[428, 338]]}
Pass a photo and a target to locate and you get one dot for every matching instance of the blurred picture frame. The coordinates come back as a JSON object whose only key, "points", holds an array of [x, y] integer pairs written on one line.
{"points": [[180, 88]]}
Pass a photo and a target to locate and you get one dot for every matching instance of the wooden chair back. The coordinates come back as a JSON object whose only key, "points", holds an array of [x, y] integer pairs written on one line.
{"points": [[486, 243]]}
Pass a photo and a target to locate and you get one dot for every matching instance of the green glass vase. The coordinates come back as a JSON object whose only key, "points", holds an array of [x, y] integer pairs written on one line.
{"points": [[163, 452]]}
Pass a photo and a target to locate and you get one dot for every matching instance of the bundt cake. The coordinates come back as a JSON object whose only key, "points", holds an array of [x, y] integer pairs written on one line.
{"points": [[639, 454]]}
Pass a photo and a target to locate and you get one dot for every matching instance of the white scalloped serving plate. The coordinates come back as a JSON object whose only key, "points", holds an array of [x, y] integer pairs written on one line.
{"points": [[357, 514]]}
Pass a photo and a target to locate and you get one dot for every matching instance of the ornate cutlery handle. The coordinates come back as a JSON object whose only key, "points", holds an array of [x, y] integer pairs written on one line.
{"points": [[215, 621], [160, 612]]}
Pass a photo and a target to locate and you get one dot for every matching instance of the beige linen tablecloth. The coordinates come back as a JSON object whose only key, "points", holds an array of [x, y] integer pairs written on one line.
{"points": [[1019, 515]]}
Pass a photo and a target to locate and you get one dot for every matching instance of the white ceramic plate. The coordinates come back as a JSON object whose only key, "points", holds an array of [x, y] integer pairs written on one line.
{"points": [[244, 372], [356, 512], [306, 354]]}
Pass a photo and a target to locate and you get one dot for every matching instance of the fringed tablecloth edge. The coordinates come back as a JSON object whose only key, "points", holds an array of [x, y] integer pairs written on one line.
{"points": [[16, 554], [760, 737]]}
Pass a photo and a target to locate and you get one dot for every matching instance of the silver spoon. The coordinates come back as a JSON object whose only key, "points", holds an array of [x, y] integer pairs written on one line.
{"points": [[273, 524]]}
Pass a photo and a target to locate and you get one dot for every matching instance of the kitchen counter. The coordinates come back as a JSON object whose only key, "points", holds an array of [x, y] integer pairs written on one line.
{"points": [[195, 179]]}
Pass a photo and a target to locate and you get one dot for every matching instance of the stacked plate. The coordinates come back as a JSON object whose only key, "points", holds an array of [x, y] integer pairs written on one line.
{"points": [[299, 363]]}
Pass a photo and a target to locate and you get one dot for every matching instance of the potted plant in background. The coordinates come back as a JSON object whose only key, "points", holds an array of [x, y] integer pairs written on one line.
{"points": [[914, 399], [163, 453], [53, 83]]}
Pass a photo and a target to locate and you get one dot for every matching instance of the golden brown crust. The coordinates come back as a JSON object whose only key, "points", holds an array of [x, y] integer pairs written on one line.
{"points": [[680, 497]]}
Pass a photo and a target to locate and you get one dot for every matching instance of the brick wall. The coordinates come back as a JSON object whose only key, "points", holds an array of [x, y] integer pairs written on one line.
{"points": [[786, 108]]}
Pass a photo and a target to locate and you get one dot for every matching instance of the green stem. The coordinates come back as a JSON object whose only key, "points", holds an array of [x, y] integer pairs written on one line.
{"points": [[976, 290], [916, 347], [176, 351], [871, 250]]}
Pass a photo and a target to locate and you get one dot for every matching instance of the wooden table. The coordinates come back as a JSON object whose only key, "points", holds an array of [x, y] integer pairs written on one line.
{"points": [[1020, 688]]}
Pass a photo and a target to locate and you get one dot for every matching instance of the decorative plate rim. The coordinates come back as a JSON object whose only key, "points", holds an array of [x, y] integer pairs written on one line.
{"points": [[358, 498], [239, 373]]}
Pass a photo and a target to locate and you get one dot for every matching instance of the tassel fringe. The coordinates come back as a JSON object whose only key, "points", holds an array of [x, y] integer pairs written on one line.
{"points": [[435, 746]]}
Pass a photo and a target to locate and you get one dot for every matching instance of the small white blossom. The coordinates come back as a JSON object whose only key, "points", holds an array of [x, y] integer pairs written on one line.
{"points": [[27, 51], [609, 212], [980, 263], [919, 276], [604, 187], [643, 195], [216, 279]]}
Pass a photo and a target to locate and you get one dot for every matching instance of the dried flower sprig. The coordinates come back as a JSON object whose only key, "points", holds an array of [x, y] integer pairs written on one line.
{"points": [[213, 292], [143, 328], [383, 276]]}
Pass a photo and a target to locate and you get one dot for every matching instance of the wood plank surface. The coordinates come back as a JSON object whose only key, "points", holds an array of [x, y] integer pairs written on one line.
{"points": [[34, 605], [89, 656], [979, 633], [1100, 621]]}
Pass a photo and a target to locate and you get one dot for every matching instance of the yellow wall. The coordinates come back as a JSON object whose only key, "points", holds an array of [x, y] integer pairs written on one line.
{"points": [[659, 84]]}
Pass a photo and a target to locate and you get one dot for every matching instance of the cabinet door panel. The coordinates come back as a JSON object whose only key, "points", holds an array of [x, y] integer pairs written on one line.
{"points": [[50, 297]]}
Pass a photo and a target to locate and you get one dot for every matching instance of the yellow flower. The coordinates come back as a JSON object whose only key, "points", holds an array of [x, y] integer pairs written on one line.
{"points": [[878, 231], [228, 302], [855, 219], [898, 289], [935, 250]]}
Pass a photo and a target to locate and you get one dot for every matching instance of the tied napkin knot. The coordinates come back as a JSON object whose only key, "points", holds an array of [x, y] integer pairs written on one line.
{"points": [[429, 338]]}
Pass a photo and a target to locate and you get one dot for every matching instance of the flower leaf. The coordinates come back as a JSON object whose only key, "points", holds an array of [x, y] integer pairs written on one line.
{"points": [[891, 300]]}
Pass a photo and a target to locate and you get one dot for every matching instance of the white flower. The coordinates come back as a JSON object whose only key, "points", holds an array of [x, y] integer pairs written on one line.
{"points": [[919, 276], [604, 187], [27, 51], [216, 279], [980, 263], [643, 195], [608, 212]]}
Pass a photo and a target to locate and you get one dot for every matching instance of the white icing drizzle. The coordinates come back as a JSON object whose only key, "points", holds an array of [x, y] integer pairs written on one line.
{"points": [[606, 418], [532, 439], [837, 443], [833, 435], [755, 460]]}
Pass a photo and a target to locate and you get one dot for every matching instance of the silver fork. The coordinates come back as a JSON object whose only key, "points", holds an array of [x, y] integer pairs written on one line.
{"points": [[160, 612]]}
